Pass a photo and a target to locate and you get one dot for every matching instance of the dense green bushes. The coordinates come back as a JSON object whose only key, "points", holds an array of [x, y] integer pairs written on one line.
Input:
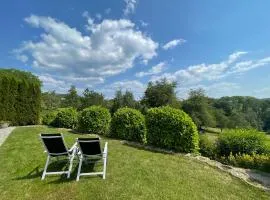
{"points": [[49, 117], [66, 118], [243, 141], [128, 124], [95, 119], [20, 97], [171, 128], [208, 147], [253, 161]]}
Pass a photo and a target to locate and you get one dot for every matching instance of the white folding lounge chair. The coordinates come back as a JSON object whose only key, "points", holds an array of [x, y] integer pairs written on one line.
{"points": [[90, 151], [55, 147]]}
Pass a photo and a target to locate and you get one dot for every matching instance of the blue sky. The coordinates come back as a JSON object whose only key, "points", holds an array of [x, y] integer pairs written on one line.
{"points": [[220, 46]]}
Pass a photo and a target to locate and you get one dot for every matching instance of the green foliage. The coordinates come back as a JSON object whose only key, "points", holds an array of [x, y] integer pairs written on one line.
{"points": [[50, 101], [72, 99], [66, 118], [208, 147], [129, 124], [198, 108], [243, 141], [123, 100], [49, 117], [171, 128], [20, 97], [160, 93], [253, 161], [95, 120], [91, 98]]}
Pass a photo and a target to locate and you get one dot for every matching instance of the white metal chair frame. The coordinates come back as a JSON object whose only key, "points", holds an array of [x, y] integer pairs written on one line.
{"points": [[71, 154], [85, 158]]}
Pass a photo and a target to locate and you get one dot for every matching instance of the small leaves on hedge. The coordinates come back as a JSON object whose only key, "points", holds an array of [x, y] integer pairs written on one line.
{"points": [[171, 128], [66, 118], [95, 120], [129, 124]]}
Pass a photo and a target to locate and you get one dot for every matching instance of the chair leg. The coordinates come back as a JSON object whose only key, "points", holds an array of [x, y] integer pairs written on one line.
{"points": [[104, 167], [45, 168], [70, 165], [79, 169]]}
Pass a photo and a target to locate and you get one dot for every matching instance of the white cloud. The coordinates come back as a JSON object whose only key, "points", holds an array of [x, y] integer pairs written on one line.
{"points": [[235, 56], [208, 72], [22, 58], [173, 43], [262, 92], [160, 67], [130, 7], [215, 90], [143, 23], [136, 87], [111, 47]]}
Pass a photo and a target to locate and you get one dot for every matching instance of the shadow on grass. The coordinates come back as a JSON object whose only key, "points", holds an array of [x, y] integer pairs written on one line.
{"points": [[86, 167], [35, 173], [147, 148], [59, 166]]}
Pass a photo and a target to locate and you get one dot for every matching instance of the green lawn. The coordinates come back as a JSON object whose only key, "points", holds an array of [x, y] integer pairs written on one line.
{"points": [[132, 174]]}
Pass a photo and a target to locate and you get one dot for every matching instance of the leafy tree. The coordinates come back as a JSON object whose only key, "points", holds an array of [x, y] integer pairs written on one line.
{"points": [[222, 120], [72, 99], [91, 98], [50, 101], [123, 100], [161, 93], [198, 108]]}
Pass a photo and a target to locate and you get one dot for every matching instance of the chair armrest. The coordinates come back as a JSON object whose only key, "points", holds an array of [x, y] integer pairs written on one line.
{"points": [[74, 147]]}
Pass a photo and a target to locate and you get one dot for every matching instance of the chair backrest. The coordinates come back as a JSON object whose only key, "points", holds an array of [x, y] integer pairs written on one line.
{"points": [[89, 146], [54, 144]]}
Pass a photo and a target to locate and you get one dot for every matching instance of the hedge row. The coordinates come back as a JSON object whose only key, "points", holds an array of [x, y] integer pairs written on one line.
{"points": [[163, 127], [20, 97]]}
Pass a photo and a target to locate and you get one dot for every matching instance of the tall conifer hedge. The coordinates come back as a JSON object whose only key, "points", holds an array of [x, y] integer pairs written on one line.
{"points": [[20, 97]]}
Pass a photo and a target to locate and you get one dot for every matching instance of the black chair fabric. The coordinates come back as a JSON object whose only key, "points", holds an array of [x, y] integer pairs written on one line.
{"points": [[90, 146], [54, 144]]}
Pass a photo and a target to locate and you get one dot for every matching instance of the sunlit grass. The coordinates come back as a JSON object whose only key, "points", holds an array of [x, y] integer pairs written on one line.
{"points": [[132, 174]]}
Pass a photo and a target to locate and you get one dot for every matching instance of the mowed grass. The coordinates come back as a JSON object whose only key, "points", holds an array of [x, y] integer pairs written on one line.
{"points": [[132, 173]]}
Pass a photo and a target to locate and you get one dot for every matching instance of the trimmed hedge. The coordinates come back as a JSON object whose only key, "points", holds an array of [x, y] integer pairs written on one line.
{"points": [[20, 97], [66, 118], [171, 128], [95, 120], [243, 141], [128, 124], [49, 118]]}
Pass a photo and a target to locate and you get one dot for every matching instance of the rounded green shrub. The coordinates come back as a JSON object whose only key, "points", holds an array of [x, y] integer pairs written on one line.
{"points": [[171, 128], [243, 141], [95, 119], [49, 117], [128, 124], [66, 118]]}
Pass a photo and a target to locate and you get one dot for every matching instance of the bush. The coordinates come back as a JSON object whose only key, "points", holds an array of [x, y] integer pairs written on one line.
{"points": [[241, 141], [171, 128], [49, 118], [129, 124], [254, 161], [66, 118], [95, 119], [208, 147], [20, 97]]}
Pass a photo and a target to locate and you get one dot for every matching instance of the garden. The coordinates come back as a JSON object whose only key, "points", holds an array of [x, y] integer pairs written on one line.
{"points": [[134, 171]]}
